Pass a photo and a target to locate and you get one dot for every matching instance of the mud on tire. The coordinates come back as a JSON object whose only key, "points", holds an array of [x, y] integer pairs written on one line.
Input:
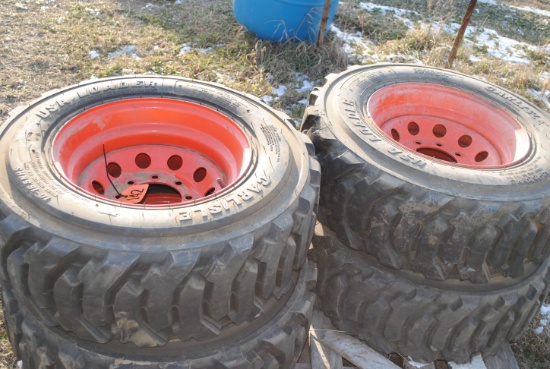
{"points": [[85, 262], [434, 172]]}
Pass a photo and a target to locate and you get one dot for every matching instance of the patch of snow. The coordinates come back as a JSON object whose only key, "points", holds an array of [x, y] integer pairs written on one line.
{"points": [[300, 76], [490, 2], [447, 28], [149, 6], [402, 57], [185, 48], [398, 13], [279, 91], [474, 59], [414, 363], [177, 2], [303, 84], [129, 50], [223, 78], [20, 6], [267, 99], [293, 120], [476, 363], [544, 13], [354, 44], [44, 4], [94, 54], [498, 46], [93, 11], [502, 47], [545, 308], [306, 86]]}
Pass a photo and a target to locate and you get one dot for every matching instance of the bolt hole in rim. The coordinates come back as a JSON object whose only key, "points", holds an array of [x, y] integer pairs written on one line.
{"points": [[181, 152], [449, 125]]}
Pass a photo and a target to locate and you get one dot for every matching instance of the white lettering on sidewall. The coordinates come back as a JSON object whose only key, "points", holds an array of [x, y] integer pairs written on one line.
{"points": [[225, 205], [368, 133]]}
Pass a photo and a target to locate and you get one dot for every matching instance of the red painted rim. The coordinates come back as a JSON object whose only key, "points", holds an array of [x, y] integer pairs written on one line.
{"points": [[449, 125], [151, 151]]}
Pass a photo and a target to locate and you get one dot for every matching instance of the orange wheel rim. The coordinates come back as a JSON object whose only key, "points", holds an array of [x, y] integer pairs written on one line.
{"points": [[151, 151], [449, 125]]}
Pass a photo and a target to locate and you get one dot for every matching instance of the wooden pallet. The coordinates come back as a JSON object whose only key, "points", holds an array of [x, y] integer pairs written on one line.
{"points": [[329, 348]]}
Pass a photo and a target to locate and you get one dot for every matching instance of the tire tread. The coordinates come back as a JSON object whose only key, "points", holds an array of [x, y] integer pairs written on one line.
{"points": [[393, 313], [63, 283], [277, 345], [417, 225]]}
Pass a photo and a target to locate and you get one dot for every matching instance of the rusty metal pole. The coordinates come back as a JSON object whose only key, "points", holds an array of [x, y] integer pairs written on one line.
{"points": [[461, 32], [324, 21]]}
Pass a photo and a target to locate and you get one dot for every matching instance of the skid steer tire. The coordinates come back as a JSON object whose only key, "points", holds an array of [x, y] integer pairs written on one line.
{"points": [[434, 172], [397, 312], [103, 269], [274, 344]]}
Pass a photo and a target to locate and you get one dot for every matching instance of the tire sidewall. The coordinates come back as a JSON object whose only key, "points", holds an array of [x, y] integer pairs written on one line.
{"points": [[345, 113], [31, 186]]}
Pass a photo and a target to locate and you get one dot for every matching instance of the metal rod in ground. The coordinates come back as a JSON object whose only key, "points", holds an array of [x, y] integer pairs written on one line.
{"points": [[324, 21], [461, 32]]}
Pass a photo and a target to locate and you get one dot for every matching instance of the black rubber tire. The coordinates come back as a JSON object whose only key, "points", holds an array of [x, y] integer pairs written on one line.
{"points": [[395, 312], [413, 213], [276, 344], [145, 277]]}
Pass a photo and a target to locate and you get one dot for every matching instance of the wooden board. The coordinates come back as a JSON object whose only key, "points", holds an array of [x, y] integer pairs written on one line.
{"points": [[328, 348]]}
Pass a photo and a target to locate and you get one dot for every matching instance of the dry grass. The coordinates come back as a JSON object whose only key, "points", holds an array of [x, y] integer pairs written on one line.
{"points": [[430, 47], [48, 45], [522, 26], [7, 358], [376, 26], [533, 350]]}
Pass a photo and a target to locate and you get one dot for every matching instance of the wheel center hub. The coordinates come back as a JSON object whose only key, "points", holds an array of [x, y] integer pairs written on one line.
{"points": [[173, 174]]}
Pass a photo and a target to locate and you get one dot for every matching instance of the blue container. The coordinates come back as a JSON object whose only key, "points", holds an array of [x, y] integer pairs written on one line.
{"points": [[283, 20]]}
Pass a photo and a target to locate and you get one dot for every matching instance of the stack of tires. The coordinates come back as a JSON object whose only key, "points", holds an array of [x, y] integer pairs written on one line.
{"points": [[435, 206], [150, 222]]}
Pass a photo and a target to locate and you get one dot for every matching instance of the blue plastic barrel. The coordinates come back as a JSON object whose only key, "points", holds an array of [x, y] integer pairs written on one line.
{"points": [[282, 20]]}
